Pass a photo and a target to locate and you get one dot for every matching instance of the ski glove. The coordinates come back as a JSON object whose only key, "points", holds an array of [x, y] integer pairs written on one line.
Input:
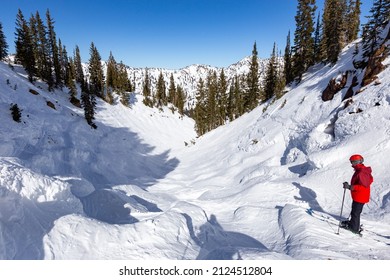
{"points": [[347, 186]]}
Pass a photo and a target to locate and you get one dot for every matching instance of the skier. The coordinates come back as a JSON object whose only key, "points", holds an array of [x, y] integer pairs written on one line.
{"points": [[360, 191]]}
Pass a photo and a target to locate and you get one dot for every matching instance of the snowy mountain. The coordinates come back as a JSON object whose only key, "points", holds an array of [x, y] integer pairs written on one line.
{"points": [[142, 186], [189, 76]]}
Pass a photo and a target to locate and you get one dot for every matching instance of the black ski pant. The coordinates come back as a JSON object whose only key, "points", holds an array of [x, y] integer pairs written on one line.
{"points": [[357, 209]]}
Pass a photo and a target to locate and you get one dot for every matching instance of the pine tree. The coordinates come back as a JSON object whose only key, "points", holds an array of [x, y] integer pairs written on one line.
{"points": [[221, 98], [378, 19], [129, 86], [123, 84], [112, 79], [41, 50], [171, 89], [3, 44], [78, 66], [111, 72], [160, 91], [24, 46], [96, 78], [288, 67], [53, 49], [124, 81], [352, 20], [32, 23], [200, 112], [303, 50], [271, 76], [88, 102], [70, 79], [212, 89], [63, 60], [147, 90], [317, 41], [16, 113], [280, 78], [180, 99], [232, 104], [20, 38], [252, 94], [239, 92], [333, 38], [95, 86]]}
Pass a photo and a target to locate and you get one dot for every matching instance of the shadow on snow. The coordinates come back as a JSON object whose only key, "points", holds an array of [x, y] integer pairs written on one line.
{"points": [[218, 244], [103, 158]]}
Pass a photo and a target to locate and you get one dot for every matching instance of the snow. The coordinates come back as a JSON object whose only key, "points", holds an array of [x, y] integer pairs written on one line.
{"points": [[142, 186]]}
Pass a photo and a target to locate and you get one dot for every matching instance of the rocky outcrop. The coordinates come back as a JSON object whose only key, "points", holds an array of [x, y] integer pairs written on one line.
{"points": [[334, 86], [350, 92], [51, 105], [33, 91], [75, 101], [374, 65]]}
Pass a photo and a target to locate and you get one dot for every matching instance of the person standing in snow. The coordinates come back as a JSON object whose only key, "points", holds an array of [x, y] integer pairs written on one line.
{"points": [[360, 191]]}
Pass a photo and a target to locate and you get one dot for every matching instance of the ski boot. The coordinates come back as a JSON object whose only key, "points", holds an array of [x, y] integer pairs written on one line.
{"points": [[344, 224]]}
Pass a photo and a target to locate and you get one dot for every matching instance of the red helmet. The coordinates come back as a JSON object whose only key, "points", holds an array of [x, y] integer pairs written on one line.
{"points": [[356, 159]]}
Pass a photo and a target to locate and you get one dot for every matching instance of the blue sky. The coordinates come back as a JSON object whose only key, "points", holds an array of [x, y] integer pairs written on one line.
{"points": [[165, 33]]}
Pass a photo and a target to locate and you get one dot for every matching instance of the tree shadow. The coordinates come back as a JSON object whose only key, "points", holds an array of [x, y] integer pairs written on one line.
{"points": [[107, 206], [132, 163], [22, 232], [104, 158], [114, 207], [149, 206], [218, 244], [300, 169]]}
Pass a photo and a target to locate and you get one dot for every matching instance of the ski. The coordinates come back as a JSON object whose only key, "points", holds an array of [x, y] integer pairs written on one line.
{"points": [[332, 220]]}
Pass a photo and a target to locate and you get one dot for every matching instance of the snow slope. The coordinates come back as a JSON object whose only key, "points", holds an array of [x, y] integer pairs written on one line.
{"points": [[142, 186]]}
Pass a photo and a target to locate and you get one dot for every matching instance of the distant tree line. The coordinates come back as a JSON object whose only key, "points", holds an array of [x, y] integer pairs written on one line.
{"points": [[45, 58], [163, 96], [219, 100]]}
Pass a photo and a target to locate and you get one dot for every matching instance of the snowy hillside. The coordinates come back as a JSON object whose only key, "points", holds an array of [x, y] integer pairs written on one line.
{"points": [[142, 186]]}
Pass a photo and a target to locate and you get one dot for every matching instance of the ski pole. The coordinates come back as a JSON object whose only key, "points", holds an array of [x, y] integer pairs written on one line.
{"points": [[341, 212]]}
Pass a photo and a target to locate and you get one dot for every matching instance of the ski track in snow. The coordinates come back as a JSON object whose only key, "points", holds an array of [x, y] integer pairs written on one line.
{"points": [[142, 186]]}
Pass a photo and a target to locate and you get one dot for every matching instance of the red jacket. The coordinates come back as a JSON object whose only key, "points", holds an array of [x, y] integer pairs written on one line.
{"points": [[361, 182]]}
